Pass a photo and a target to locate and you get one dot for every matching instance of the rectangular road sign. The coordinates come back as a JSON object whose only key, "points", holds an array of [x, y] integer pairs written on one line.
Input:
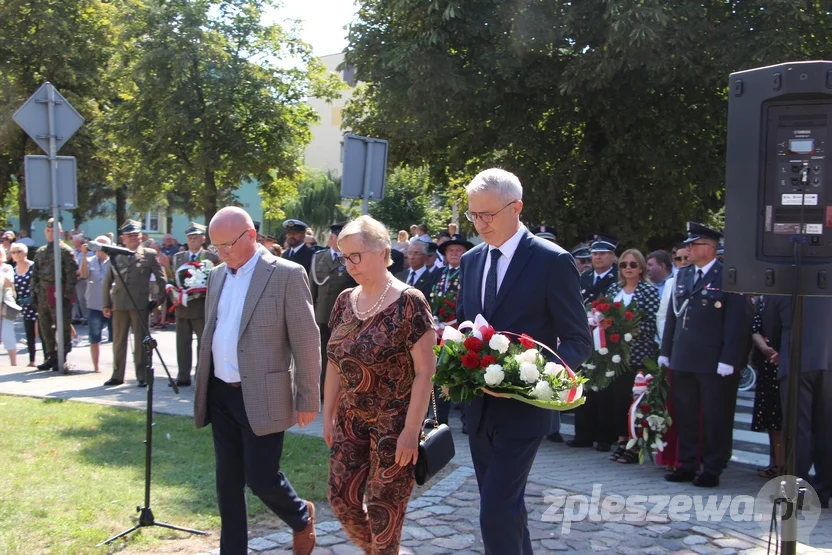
{"points": [[355, 170], [39, 189]]}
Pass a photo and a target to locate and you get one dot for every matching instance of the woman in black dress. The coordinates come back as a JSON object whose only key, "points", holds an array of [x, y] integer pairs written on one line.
{"points": [[767, 332], [23, 289]]}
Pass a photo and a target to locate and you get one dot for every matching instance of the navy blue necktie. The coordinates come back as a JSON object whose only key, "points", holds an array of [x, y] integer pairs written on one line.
{"points": [[491, 283]]}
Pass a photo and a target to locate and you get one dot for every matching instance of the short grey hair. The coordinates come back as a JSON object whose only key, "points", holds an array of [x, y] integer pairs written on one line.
{"points": [[421, 245], [103, 239], [371, 233], [21, 246], [505, 184]]}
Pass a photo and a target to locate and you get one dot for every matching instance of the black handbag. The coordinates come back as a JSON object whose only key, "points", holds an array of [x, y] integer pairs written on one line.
{"points": [[436, 447], [436, 444]]}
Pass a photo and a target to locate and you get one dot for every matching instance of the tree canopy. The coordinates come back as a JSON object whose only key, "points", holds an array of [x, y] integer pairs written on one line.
{"points": [[611, 113]]}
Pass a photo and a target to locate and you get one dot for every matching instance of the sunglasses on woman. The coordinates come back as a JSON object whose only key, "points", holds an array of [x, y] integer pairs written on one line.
{"points": [[680, 258], [633, 265]]}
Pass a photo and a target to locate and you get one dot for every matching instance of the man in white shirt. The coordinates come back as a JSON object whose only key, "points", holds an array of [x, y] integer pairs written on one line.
{"points": [[257, 375]]}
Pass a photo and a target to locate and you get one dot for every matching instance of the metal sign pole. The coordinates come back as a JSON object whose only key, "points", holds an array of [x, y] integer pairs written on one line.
{"points": [[56, 227], [368, 172]]}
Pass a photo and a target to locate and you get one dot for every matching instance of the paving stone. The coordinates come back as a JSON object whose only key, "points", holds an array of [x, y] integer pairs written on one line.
{"points": [[461, 541], [442, 531], [466, 527], [416, 533], [281, 538], [416, 515], [347, 549], [733, 543], [457, 502], [670, 545], [329, 539], [554, 545], [430, 521], [261, 544], [727, 551], [440, 509], [467, 496], [695, 540], [330, 526], [659, 528], [704, 549], [419, 504], [655, 550], [711, 533], [636, 541], [680, 525], [675, 534]]}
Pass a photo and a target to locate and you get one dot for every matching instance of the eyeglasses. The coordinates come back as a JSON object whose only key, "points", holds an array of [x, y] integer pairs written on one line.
{"points": [[680, 258], [485, 217], [231, 246], [15, 251], [355, 258], [633, 265]]}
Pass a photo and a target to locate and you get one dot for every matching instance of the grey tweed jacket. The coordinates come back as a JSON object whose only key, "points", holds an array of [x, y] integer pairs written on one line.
{"points": [[279, 346]]}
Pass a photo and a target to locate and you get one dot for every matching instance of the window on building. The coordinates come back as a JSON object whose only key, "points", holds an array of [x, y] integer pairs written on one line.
{"points": [[336, 116], [349, 76], [153, 221]]}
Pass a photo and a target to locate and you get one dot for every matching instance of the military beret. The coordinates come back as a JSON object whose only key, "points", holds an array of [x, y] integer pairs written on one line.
{"points": [[130, 226], [295, 225], [195, 229]]}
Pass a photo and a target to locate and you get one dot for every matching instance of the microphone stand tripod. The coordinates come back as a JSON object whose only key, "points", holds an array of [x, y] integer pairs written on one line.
{"points": [[146, 517]]}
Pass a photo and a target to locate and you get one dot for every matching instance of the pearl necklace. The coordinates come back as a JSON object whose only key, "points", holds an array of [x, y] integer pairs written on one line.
{"points": [[366, 314]]}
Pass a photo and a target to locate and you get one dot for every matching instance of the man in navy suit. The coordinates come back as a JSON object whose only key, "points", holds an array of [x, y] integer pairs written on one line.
{"points": [[501, 279]]}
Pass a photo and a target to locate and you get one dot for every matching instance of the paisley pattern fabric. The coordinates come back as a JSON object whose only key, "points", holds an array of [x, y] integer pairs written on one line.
{"points": [[376, 372]]}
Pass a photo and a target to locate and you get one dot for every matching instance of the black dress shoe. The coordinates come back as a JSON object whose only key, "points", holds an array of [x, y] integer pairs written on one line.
{"points": [[576, 443], [48, 364], [142, 384], [706, 480], [113, 381], [680, 475], [555, 437], [603, 447], [183, 383]]}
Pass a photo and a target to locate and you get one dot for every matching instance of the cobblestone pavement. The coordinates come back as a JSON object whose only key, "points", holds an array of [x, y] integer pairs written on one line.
{"points": [[443, 516]]}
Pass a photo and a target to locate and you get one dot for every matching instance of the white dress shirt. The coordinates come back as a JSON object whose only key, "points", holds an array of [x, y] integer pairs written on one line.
{"points": [[598, 277], [229, 313], [507, 251], [419, 273], [705, 269]]}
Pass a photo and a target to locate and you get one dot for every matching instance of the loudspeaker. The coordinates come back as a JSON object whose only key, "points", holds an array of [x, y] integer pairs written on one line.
{"points": [[778, 185]]}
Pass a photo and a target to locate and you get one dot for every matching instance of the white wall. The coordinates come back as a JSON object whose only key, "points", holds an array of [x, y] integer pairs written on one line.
{"points": [[324, 152]]}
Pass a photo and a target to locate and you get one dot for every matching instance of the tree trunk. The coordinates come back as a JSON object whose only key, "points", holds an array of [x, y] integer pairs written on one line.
{"points": [[121, 207], [210, 195], [24, 214]]}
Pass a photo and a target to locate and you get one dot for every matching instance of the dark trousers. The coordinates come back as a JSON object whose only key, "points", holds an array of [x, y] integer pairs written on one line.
{"points": [[245, 459], [31, 340], [814, 438], [595, 419], [325, 335], [186, 328], [502, 464], [733, 391], [622, 390], [443, 406], [711, 393]]}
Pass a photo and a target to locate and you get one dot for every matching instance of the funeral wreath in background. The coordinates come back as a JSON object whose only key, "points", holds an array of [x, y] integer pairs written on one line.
{"points": [[614, 325]]}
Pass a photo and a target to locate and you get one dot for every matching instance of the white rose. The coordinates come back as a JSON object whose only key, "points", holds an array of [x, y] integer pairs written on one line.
{"points": [[553, 369], [499, 343], [609, 373], [603, 351], [542, 391], [529, 355], [589, 366], [529, 372], [494, 374], [208, 265], [628, 337], [616, 358]]}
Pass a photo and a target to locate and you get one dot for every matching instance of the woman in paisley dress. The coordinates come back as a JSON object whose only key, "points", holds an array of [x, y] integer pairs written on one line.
{"points": [[377, 388]]}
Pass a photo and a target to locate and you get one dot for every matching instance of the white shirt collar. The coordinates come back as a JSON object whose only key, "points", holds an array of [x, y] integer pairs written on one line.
{"points": [[419, 273], [707, 267], [600, 276], [248, 266], [508, 248]]}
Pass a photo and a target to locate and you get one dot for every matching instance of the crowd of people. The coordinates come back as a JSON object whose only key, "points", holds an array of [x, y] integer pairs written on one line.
{"points": [[287, 331]]}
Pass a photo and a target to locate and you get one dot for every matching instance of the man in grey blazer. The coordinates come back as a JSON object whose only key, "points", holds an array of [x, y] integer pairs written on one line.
{"points": [[257, 375]]}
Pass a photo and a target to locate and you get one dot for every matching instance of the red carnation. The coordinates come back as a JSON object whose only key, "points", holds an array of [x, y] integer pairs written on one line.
{"points": [[615, 338], [595, 304], [453, 304], [487, 333], [645, 408], [603, 307], [526, 341], [441, 311], [607, 323], [628, 315], [616, 304], [447, 302], [473, 344], [487, 361], [645, 423], [470, 360]]}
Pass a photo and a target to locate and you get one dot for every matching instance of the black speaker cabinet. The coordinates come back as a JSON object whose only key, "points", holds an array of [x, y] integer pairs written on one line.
{"points": [[778, 185]]}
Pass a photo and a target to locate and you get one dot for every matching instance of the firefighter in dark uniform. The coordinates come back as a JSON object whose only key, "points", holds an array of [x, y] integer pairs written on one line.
{"points": [[328, 278], [594, 421], [298, 252], [703, 343]]}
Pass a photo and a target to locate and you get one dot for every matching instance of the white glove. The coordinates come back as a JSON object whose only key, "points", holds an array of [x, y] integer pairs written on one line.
{"points": [[664, 361], [724, 369]]}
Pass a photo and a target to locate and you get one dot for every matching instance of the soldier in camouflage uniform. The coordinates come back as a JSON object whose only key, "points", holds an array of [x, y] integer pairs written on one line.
{"points": [[44, 295]]}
